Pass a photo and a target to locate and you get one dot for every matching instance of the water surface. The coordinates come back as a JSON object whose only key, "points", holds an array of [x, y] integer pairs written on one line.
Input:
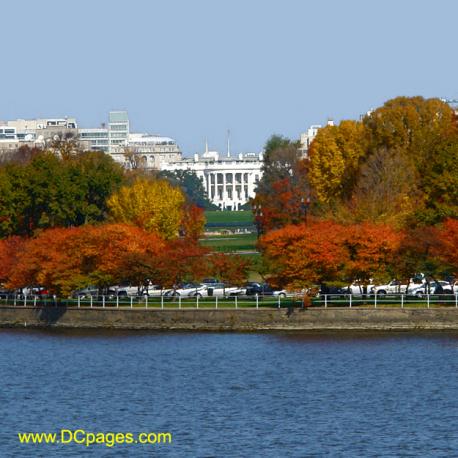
{"points": [[230, 395]]}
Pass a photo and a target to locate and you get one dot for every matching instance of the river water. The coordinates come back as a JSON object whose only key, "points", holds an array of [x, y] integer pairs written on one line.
{"points": [[231, 395]]}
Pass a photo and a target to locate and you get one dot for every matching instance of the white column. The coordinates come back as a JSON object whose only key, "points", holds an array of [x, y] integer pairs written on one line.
{"points": [[234, 199], [224, 190], [250, 184], [213, 174], [207, 178]]}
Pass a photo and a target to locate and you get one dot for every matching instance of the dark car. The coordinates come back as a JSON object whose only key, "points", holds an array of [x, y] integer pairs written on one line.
{"points": [[326, 289], [263, 289], [332, 296], [210, 281]]}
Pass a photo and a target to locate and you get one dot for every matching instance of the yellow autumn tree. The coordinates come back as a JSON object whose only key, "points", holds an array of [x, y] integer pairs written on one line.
{"points": [[154, 205], [334, 156]]}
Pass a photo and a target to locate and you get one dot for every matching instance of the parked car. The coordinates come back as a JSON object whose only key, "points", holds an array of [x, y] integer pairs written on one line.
{"points": [[4, 292], [155, 291], [210, 281], [332, 291], [358, 288], [434, 287], [94, 292], [263, 289], [32, 291], [455, 287], [128, 290], [218, 290], [186, 290], [396, 287]]}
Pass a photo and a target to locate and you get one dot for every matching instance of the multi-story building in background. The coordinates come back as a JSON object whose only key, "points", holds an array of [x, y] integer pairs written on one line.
{"points": [[118, 129], [145, 150], [94, 139], [36, 132], [150, 151], [229, 180], [306, 138]]}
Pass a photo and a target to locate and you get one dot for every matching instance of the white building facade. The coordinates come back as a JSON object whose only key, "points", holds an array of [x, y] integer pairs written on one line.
{"points": [[127, 148], [36, 132], [230, 181], [118, 129], [307, 137], [150, 150], [95, 139]]}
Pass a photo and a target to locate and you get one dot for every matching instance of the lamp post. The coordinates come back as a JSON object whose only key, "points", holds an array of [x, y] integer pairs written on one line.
{"points": [[257, 218], [305, 204]]}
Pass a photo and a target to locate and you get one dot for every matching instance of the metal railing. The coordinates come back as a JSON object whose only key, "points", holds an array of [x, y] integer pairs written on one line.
{"points": [[237, 302], [400, 300]]}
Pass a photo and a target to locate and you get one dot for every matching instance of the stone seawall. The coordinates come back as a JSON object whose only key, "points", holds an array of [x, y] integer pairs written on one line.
{"points": [[232, 319]]}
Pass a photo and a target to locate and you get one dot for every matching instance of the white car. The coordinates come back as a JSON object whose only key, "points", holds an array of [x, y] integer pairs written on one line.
{"points": [[218, 290], [395, 287], [134, 290], [155, 291], [187, 290], [440, 287], [128, 290], [358, 288]]}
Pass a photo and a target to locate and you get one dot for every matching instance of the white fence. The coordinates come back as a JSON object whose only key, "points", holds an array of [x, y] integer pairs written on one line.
{"points": [[178, 302]]}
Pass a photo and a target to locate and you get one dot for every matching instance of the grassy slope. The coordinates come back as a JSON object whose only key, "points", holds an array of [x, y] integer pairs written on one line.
{"points": [[222, 217], [232, 242]]}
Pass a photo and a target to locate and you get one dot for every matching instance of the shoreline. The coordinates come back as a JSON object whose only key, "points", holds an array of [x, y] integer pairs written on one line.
{"points": [[226, 320]]}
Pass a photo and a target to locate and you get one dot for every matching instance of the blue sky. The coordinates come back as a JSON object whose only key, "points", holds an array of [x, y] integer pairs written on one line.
{"points": [[193, 69]]}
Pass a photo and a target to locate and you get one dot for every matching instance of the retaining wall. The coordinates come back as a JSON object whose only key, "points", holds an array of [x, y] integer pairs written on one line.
{"points": [[232, 319]]}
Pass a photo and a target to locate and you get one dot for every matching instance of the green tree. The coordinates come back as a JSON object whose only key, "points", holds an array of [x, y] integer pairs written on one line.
{"points": [[192, 187], [282, 192], [99, 177], [49, 191]]}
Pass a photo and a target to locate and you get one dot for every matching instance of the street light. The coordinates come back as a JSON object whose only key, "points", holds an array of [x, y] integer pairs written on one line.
{"points": [[305, 204], [257, 217]]}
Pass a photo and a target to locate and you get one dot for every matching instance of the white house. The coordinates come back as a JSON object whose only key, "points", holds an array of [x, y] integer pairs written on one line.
{"points": [[230, 181]]}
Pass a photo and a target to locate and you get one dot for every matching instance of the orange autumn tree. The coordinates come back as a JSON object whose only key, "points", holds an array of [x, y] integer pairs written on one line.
{"points": [[105, 249], [177, 262], [446, 248], [304, 255], [324, 251], [67, 259], [10, 249], [193, 223], [182, 261], [231, 269], [46, 258], [372, 251]]}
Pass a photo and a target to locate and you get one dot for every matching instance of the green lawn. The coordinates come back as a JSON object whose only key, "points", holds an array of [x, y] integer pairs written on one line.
{"points": [[221, 218], [231, 242]]}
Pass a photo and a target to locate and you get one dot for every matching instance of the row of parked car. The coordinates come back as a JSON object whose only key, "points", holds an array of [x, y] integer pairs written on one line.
{"points": [[418, 287], [209, 287]]}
